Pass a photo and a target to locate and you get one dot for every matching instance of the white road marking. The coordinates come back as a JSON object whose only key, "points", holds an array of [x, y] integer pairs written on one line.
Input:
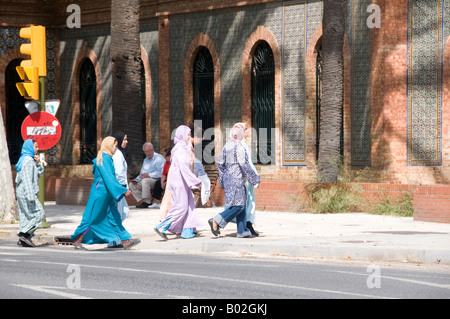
{"points": [[51, 291], [209, 278], [14, 254], [56, 291]]}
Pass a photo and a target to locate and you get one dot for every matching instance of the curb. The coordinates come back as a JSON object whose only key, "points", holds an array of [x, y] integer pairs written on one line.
{"points": [[350, 252], [293, 250]]}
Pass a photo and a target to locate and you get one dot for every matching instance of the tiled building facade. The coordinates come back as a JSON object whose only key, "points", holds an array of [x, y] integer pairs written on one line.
{"points": [[397, 78]]}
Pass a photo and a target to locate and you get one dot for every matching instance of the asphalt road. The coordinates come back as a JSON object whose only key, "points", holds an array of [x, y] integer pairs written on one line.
{"points": [[60, 272]]}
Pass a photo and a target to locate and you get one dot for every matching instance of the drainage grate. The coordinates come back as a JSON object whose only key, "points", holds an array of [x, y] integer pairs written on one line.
{"points": [[63, 240]]}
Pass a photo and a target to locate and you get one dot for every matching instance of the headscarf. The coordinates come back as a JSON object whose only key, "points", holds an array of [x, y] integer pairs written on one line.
{"points": [[106, 147], [237, 133], [180, 139], [27, 150], [119, 136]]}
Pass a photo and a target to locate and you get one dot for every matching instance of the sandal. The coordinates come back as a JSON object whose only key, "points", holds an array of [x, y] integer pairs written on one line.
{"points": [[79, 246], [211, 224], [127, 244], [163, 235]]}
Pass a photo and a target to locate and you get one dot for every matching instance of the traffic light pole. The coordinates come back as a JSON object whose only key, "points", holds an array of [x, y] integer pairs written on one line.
{"points": [[34, 71], [41, 196]]}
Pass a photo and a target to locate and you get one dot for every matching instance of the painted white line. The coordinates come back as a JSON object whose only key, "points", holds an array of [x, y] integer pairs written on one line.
{"points": [[14, 254], [53, 292], [209, 279], [57, 291]]}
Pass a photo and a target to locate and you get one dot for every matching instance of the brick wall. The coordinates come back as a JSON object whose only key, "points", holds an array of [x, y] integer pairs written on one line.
{"points": [[389, 60], [432, 204], [388, 82], [277, 195], [72, 191]]}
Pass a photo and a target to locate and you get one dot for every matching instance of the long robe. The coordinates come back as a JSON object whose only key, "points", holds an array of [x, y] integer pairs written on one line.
{"points": [[121, 167], [31, 212], [99, 226], [182, 214], [234, 169], [250, 205]]}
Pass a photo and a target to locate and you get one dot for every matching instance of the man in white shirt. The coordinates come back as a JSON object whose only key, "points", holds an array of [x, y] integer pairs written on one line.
{"points": [[142, 186]]}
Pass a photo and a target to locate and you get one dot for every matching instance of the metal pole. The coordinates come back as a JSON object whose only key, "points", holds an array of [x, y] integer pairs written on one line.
{"points": [[41, 196]]}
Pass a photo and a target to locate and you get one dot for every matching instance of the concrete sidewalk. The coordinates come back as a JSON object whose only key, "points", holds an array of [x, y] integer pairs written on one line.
{"points": [[350, 236]]}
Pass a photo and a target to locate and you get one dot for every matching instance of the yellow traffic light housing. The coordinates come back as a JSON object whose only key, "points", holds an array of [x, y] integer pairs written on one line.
{"points": [[30, 88], [36, 48]]}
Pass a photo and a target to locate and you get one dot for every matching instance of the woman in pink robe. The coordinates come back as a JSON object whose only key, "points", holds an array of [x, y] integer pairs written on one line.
{"points": [[182, 217]]}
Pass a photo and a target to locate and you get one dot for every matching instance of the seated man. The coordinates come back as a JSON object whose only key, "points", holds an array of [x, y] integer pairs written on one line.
{"points": [[143, 186]]}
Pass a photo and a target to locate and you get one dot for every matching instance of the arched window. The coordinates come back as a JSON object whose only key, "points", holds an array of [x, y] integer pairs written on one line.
{"points": [[263, 103], [88, 113], [15, 111], [203, 90]]}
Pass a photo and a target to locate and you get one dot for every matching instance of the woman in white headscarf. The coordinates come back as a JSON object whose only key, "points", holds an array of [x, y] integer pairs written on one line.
{"points": [[250, 205], [121, 168], [182, 216], [234, 169]]}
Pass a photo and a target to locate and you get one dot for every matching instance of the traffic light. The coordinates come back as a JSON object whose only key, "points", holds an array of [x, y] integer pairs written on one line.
{"points": [[30, 70], [36, 48], [30, 88]]}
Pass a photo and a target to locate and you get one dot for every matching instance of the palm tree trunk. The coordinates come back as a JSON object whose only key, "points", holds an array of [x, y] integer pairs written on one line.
{"points": [[127, 111], [8, 197], [333, 90]]}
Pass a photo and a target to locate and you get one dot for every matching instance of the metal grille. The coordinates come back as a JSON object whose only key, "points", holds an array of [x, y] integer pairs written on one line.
{"points": [[143, 98], [319, 63], [88, 113], [203, 87], [263, 102]]}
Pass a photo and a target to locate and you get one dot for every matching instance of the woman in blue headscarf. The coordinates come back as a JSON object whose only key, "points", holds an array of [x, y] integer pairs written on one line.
{"points": [[31, 212]]}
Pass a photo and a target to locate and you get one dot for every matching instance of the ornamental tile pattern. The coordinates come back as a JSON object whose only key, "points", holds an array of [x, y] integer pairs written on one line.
{"points": [[294, 97], [426, 40], [300, 20], [291, 23], [359, 37]]}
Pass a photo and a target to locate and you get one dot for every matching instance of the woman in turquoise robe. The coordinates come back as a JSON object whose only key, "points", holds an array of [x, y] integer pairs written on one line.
{"points": [[97, 226]]}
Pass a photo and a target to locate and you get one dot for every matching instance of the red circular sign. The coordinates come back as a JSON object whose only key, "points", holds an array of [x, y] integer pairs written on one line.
{"points": [[42, 127]]}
